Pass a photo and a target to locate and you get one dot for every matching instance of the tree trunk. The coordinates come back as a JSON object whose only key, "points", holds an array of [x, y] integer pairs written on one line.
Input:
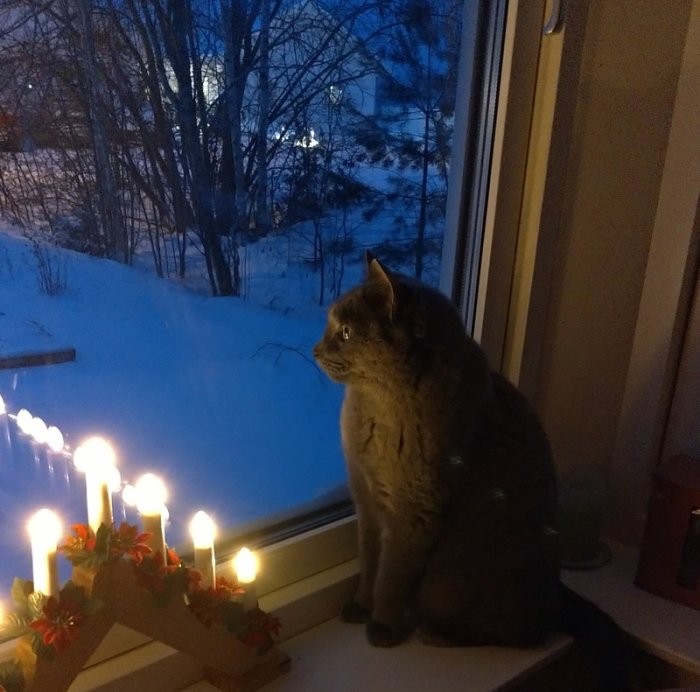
{"points": [[233, 17], [423, 204], [107, 197], [262, 212], [200, 168]]}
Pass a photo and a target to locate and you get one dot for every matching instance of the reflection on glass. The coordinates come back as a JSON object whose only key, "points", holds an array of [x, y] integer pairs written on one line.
{"points": [[182, 194]]}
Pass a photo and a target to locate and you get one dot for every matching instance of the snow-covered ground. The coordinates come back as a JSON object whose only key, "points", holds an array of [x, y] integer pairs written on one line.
{"points": [[217, 395]]}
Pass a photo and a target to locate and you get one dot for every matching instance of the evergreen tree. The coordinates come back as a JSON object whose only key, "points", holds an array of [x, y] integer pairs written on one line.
{"points": [[412, 133]]}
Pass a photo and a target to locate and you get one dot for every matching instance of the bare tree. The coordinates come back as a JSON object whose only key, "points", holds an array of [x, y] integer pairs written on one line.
{"points": [[172, 116]]}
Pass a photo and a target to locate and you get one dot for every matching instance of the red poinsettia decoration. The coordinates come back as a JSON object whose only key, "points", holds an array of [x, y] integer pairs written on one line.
{"points": [[92, 550], [128, 542], [211, 604], [255, 628], [261, 627], [58, 625], [83, 539], [165, 578]]}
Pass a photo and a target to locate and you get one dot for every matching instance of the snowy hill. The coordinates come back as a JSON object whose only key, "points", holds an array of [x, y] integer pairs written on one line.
{"points": [[219, 397]]}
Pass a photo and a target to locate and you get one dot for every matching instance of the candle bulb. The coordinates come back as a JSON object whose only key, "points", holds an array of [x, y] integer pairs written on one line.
{"points": [[245, 565], [24, 420], [44, 531], [150, 498], [203, 531], [96, 458], [54, 439]]}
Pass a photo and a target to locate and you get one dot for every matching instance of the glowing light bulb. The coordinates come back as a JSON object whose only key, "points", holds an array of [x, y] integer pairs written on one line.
{"points": [[245, 565], [24, 421], [114, 479], [54, 439], [96, 458], [45, 525], [95, 452], [203, 530], [129, 495], [3, 408], [150, 494], [38, 430], [44, 531], [150, 502]]}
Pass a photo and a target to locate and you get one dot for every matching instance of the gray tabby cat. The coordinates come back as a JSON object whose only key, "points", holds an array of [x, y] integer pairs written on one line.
{"points": [[450, 472]]}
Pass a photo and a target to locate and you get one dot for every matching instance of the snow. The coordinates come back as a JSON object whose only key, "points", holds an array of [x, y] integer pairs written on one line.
{"points": [[218, 396]]}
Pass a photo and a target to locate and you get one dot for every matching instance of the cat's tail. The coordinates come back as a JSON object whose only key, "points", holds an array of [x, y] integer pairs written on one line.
{"points": [[600, 639]]}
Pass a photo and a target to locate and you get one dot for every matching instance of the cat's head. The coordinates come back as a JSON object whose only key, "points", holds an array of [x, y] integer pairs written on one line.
{"points": [[378, 330]]}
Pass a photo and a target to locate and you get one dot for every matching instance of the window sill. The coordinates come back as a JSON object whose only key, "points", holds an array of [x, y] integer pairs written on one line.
{"points": [[323, 649], [662, 628], [336, 656]]}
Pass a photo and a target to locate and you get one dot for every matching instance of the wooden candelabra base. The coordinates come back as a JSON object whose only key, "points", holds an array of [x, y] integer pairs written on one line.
{"points": [[230, 665]]}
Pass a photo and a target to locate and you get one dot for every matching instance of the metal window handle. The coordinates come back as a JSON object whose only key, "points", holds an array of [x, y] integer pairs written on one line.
{"points": [[555, 19]]}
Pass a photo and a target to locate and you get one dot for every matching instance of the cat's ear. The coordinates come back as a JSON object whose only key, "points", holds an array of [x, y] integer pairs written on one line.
{"points": [[369, 258], [380, 278]]}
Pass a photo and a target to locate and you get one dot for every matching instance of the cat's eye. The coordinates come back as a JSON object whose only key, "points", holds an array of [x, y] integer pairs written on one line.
{"points": [[345, 332]]}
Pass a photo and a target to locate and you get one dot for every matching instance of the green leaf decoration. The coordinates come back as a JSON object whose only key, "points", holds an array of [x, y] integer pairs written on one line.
{"points": [[89, 560], [14, 625], [103, 541], [11, 678], [35, 605], [21, 589]]}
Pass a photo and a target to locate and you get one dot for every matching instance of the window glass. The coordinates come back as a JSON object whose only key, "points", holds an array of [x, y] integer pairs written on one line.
{"points": [[184, 188]]}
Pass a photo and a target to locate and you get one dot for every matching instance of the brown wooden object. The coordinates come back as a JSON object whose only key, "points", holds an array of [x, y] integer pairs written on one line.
{"points": [[229, 664], [33, 358]]}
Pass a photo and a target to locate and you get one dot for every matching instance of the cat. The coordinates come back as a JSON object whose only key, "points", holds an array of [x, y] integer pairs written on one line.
{"points": [[450, 472]]}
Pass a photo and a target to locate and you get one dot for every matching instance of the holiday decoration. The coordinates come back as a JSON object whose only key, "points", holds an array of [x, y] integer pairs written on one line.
{"points": [[125, 575]]}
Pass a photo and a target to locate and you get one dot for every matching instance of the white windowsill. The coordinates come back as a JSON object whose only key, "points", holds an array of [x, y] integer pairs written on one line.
{"points": [[336, 656], [665, 629]]}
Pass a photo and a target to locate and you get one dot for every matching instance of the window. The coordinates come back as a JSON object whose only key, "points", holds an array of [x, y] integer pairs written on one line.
{"points": [[187, 193]]}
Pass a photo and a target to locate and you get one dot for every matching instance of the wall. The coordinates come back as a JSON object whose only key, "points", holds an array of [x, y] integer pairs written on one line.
{"points": [[630, 65]]}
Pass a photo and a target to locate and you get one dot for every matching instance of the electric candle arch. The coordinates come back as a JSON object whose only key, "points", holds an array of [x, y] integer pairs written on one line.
{"points": [[97, 460]]}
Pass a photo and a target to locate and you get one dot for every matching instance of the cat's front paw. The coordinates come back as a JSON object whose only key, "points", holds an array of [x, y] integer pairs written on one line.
{"points": [[383, 635], [354, 612]]}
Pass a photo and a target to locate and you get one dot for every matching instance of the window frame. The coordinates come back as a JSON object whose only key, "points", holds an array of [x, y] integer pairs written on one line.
{"points": [[308, 566]]}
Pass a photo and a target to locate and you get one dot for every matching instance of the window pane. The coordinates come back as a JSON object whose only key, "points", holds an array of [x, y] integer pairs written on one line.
{"points": [[184, 188]]}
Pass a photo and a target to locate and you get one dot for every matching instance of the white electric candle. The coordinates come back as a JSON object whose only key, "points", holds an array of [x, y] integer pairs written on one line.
{"points": [[24, 420], [38, 430], [245, 565], [54, 439], [97, 459], [150, 500], [44, 531], [203, 531], [129, 495]]}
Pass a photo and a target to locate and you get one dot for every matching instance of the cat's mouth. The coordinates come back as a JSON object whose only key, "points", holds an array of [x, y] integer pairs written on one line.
{"points": [[336, 370]]}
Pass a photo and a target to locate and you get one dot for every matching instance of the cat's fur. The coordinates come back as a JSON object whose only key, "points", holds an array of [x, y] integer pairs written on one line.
{"points": [[450, 472]]}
